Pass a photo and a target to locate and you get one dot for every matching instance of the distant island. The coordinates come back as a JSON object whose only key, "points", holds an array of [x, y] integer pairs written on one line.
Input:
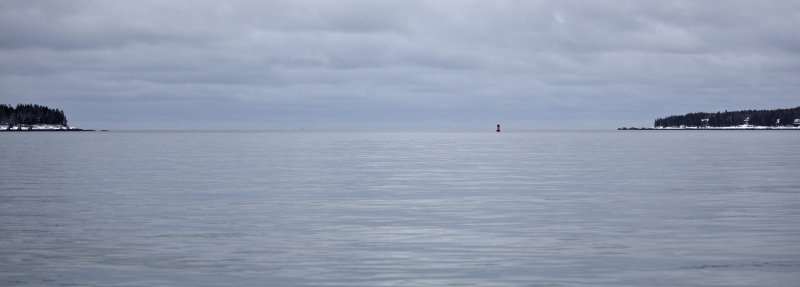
{"points": [[779, 119], [30, 117]]}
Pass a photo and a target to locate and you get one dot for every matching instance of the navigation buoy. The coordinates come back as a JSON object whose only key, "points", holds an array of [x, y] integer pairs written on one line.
{"points": [[498, 128]]}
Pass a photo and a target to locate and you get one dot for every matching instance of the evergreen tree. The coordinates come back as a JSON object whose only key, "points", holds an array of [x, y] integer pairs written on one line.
{"points": [[5, 114]]}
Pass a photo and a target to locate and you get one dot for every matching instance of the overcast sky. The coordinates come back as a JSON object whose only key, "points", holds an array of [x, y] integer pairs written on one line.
{"points": [[344, 65]]}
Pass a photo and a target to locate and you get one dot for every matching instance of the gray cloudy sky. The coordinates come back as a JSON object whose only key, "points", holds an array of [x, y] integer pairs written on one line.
{"points": [[396, 64]]}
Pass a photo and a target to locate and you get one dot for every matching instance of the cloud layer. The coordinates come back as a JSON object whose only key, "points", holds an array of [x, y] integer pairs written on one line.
{"points": [[396, 64]]}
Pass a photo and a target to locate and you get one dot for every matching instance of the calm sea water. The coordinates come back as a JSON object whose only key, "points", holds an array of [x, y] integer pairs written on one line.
{"points": [[615, 208]]}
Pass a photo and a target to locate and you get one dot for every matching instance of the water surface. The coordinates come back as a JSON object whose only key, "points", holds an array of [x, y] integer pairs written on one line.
{"points": [[616, 208]]}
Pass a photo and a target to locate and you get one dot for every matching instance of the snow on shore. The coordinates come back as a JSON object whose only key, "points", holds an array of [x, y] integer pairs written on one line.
{"points": [[38, 128], [740, 127]]}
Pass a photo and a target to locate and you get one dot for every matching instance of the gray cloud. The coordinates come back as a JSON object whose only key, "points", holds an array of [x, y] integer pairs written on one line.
{"points": [[396, 64]]}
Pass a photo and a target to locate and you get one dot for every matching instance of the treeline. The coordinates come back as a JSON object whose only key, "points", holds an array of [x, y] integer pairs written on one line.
{"points": [[31, 115], [768, 118]]}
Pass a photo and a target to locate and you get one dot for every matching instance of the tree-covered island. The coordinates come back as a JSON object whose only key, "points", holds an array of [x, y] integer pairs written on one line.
{"points": [[778, 119], [30, 117]]}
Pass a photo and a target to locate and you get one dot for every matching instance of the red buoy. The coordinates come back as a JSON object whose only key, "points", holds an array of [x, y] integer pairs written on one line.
{"points": [[498, 128]]}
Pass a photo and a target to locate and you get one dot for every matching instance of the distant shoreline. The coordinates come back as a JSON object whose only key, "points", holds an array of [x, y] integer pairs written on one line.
{"points": [[41, 128], [748, 120], [738, 128], [33, 131]]}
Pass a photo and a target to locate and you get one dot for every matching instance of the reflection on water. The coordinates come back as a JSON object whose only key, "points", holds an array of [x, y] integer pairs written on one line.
{"points": [[414, 209]]}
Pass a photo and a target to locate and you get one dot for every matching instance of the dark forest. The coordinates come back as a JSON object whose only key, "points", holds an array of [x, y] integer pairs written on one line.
{"points": [[30, 114], [767, 118]]}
